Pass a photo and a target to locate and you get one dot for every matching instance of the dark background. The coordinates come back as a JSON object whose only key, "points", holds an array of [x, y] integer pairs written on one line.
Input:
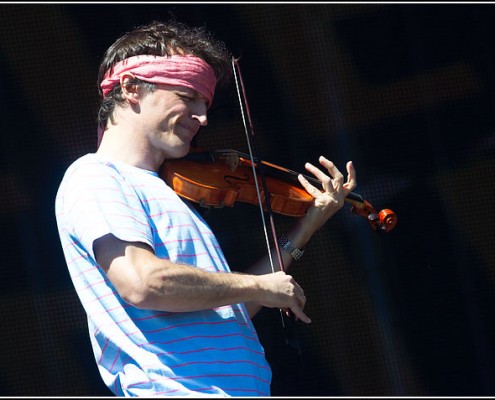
{"points": [[406, 91]]}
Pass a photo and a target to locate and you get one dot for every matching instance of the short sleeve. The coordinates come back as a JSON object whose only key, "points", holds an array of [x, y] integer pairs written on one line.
{"points": [[93, 200]]}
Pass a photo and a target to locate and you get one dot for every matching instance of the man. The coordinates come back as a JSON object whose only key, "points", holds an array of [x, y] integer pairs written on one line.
{"points": [[166, 315]]}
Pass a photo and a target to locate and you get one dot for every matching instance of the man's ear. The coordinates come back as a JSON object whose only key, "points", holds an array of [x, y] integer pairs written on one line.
{"points": [[130, 90]]}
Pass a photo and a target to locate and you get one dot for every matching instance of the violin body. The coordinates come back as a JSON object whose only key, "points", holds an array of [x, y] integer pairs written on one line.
{"points": [[229, 179], [223, 177]]}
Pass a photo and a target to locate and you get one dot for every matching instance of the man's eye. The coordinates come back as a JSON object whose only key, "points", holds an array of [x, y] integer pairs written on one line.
{"points": [[185, 96]]}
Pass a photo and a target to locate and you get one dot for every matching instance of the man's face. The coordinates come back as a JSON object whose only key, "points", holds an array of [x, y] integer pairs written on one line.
{"points": [[171, 117]]}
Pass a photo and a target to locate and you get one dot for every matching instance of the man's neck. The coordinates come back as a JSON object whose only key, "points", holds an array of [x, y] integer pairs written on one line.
{"points": [[127, 147]]}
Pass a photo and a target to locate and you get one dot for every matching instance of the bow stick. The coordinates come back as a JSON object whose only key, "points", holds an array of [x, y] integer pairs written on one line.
{"points": [[249, 131]]}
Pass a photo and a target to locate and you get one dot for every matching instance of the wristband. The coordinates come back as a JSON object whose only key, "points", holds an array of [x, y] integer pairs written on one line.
{"points": [[288, 246]]}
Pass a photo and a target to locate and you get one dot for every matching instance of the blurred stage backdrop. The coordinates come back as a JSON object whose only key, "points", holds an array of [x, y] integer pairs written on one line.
{"points": [[406, 91]]}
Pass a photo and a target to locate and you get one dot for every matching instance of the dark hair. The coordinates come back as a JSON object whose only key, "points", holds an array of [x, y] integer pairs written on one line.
{"points": [[161, 39]]}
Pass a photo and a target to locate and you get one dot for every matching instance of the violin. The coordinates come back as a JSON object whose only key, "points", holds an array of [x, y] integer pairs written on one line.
{"points": [[223, 177]]}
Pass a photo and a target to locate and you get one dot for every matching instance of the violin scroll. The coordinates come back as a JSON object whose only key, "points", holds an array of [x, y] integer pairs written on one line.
{"points": [[382, 222], [388, 219]]}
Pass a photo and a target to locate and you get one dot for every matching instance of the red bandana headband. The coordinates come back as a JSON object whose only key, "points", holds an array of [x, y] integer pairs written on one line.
{"points": [[188, 70]]}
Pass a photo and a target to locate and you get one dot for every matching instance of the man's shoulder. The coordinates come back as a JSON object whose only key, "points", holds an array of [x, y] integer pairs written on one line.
{"points": [[84, 170], [82, 161], [88, 164]]}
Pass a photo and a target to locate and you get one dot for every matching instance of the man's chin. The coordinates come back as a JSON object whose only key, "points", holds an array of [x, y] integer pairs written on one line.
{"points": [[179, 152]]}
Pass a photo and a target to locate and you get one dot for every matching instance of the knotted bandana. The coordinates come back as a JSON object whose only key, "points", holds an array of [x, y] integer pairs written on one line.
{"points": [[188, 70]]}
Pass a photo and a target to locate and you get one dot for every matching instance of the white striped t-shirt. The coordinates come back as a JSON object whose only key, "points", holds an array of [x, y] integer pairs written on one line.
{"points": [[144, 352]]}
